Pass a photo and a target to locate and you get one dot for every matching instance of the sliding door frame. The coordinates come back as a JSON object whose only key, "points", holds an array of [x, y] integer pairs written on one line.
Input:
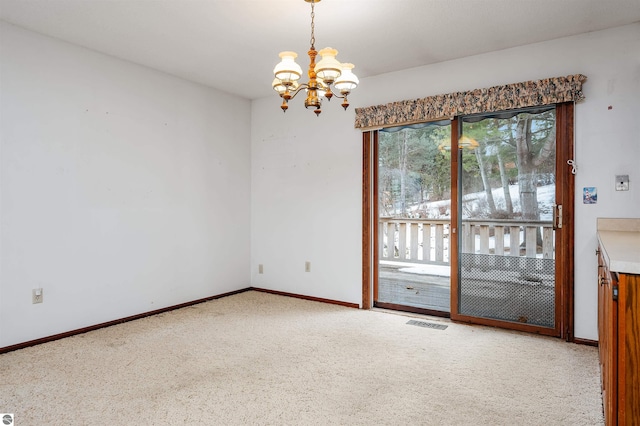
{"points": [[369, 206], [565, 189]]}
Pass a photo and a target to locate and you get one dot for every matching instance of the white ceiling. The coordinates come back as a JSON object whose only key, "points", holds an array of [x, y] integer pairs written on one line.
{"points": [[233, 45]]}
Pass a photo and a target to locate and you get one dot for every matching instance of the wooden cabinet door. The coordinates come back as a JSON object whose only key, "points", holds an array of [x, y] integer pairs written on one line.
{"points": [[611, 308], [629, 350], [611, 344], [607, 341]]}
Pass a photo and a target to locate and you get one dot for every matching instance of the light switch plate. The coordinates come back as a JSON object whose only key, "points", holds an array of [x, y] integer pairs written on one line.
{"points": [[622, 182], [37, 295]]}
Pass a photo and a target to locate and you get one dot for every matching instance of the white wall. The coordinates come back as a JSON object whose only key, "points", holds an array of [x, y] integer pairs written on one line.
{"points": [[306, 171], [306, 200], [123, 190]]}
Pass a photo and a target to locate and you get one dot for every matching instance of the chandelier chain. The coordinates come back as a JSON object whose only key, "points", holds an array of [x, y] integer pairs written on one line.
{"points": [[313, 27]]}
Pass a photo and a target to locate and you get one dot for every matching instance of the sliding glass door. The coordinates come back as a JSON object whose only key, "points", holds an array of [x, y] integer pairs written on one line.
{"points": [[507, 207], [414, 217], [479, 206]]}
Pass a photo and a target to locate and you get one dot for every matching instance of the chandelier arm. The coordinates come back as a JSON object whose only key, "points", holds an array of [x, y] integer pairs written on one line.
{"points": [[335, 92], [298, 89]]}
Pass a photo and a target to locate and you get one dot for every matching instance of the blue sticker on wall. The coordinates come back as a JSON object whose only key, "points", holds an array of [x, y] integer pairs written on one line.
{"points": [[590, 195]]}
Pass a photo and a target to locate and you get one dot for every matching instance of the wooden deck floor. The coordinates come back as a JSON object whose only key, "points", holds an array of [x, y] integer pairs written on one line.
{"points": [[417, 290], [504, 295]]}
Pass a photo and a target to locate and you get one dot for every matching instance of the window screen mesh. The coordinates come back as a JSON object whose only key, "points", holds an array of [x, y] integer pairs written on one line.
{"points": [[517, 289]]}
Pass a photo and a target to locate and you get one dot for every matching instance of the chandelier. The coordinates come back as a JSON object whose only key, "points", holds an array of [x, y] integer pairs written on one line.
{"points": [[326, 73]]}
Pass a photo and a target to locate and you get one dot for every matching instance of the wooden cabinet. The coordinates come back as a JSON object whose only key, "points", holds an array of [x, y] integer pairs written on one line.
{"points": [[619, 343]]}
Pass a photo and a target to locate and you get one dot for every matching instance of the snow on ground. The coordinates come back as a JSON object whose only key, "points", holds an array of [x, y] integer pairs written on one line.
{"points": [[438, 270], [477, 201]]}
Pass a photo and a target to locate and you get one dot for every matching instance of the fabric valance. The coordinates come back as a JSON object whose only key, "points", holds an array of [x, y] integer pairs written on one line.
{"points": [[547, 91]]}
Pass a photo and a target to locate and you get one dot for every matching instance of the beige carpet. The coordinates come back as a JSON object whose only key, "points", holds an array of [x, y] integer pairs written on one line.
{"points": [[260, 359]]}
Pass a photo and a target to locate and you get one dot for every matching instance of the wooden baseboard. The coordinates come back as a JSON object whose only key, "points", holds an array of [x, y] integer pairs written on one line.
{"points": [[23, 345], [587, 342], [114, 322], [315, 299]]}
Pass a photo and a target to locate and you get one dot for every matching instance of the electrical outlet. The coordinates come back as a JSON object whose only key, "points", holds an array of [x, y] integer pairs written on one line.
{"points": [[260, 269], [307, 266], [622, 182], [37, 295]]}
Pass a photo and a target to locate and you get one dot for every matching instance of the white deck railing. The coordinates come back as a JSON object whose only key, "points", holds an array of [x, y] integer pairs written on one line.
{"points": [[427, 240]]}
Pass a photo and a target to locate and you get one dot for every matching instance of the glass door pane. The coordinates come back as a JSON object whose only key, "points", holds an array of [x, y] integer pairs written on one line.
{"points": [[506, 207], [414, 216]]}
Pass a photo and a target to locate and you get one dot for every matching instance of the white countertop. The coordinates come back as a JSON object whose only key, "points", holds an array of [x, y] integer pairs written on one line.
{"points": [[620, 244]]}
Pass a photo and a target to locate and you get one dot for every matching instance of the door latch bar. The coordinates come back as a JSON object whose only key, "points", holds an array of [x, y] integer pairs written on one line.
{"points": [[557, 220]]}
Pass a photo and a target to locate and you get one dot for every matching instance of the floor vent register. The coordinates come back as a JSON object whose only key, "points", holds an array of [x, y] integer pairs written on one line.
{"points": [[427, 324]]}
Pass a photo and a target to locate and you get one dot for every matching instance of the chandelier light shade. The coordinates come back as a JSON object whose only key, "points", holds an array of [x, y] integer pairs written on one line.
{"points": [[326, 73], [287, 71], [347, 81], [328, 69]]}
